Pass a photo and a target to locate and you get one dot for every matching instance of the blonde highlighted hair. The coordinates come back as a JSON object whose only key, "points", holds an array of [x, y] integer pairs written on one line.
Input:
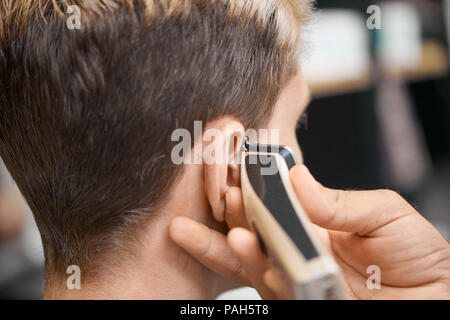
{"points": [[289, 15]]}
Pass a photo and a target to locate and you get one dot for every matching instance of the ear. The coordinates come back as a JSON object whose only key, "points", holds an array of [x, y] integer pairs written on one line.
{"points": [[222, 141]]}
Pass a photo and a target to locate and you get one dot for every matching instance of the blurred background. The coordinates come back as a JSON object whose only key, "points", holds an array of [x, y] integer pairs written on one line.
{"points": [[381, 113], [380, 118]]}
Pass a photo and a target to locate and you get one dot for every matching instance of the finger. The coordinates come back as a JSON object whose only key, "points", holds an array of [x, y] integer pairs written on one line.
{"points": [[234, 212], [361, 212], [323, 236], [246, 246], [274, 283], [207, 246]]}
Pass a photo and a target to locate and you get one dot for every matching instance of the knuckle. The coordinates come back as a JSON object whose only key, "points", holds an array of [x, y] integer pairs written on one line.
{"points": [[389, 193], [393, 196], [236, 268], [337, 205], [399, 207]]}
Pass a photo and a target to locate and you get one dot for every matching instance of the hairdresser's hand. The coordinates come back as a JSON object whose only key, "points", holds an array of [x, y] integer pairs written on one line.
{"points": [[360, 228]]}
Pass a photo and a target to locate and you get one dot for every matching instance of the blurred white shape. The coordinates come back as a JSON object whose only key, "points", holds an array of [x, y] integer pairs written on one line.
{"points": [[18, 256], [400, 44], [243, 293], [30, 239], [407, 154], [338, 44], [5, 178], [32, 242]]}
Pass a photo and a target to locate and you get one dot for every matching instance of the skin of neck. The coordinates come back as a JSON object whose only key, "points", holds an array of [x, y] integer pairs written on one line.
{"points": [[160, 269]]}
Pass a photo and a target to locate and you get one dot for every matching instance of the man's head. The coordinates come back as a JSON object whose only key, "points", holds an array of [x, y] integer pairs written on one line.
{"points": [[87, 115]]}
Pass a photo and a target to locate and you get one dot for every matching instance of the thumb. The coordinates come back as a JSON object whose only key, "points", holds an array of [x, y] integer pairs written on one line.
{"points": [[310, 194], [361, 212]]}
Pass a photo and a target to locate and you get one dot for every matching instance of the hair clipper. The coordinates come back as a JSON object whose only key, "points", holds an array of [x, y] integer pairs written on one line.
{"points": [[275, 214]]}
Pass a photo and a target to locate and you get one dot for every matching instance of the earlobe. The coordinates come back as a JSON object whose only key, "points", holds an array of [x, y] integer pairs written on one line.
{"points": [[223, 172]]}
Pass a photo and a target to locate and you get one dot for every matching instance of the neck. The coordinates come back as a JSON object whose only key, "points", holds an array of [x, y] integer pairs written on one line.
{"points": [[160, 270]]}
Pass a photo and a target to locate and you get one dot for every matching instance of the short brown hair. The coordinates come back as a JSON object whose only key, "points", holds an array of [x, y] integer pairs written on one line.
{"points": [[86, 115]]}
